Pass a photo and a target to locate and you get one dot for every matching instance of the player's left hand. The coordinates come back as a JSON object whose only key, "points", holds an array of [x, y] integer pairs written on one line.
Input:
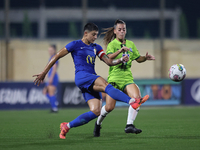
{"points": [[149, 57], [39, 78]]}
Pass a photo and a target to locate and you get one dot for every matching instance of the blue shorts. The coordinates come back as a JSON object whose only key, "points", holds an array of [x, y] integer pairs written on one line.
{"points": [[84, 81], [55, 80]]}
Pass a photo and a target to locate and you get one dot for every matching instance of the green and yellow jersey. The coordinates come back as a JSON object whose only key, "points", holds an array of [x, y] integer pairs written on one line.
{"points": [[121, 73]]}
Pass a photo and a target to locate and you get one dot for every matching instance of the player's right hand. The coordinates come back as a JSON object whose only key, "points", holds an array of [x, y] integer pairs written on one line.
{"points": [[39, 78], [125, 58], [124, 49]]}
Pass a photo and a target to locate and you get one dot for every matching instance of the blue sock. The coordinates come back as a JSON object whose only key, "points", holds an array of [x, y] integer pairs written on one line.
{"points": [[117, 94], [82, 119], [52, 100]]}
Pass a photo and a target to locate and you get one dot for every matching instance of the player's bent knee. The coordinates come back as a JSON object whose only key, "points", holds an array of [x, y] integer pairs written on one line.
{"points": [[106, 83], [97, 111], [109, 108]]}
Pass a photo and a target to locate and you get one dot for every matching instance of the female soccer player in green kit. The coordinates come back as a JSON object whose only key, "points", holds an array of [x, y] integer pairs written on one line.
{"points": [[120, 76]]}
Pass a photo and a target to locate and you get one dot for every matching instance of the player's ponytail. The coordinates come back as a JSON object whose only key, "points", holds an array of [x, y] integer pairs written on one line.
{"points": [[109, 35], [109, 32]]}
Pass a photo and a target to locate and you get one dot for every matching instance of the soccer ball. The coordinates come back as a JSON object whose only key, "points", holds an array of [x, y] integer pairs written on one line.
{"points": [[177, 72]]}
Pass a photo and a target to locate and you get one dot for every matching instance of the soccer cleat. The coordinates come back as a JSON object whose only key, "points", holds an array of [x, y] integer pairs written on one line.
{"points": [[132, 129], [139, 101], [97, 129], [53, 111], [63, 130]]}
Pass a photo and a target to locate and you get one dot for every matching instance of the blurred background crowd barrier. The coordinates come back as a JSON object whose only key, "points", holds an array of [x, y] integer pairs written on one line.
{"points": [[163, 92]]}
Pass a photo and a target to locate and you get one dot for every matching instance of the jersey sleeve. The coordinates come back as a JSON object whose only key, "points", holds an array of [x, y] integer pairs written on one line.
{"points": [[100, 51], [135, 52], [70, 46], [110, 49]]}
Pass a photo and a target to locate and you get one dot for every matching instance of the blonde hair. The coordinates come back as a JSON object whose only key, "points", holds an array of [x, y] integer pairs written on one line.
{"points": [[109, 32]]}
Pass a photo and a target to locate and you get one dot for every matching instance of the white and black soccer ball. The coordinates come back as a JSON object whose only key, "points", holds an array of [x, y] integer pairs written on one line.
{"points": [[177, 72]]}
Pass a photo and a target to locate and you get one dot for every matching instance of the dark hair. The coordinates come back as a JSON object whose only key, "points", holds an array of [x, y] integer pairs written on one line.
{"points": [[109, 32], [54, 47], [91, 27]]}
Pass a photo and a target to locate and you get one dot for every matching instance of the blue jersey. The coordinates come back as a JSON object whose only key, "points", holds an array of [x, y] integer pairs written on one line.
{"points": [[84, 55], [84, 60]]}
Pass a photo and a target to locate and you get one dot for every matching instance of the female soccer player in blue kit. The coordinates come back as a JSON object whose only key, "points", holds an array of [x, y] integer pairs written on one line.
{"points": [[52, 82], [84, 52]]}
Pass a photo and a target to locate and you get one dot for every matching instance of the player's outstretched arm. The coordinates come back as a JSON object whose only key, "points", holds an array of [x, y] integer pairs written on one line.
{"points": [[113, 62], [144, 58], [40, 77]]}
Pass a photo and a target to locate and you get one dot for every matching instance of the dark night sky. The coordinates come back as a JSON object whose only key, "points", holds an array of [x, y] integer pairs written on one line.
{"points": [[189, 7]]}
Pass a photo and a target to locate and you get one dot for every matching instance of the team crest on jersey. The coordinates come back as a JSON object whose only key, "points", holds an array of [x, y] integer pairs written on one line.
{"points": [[95, 51]]}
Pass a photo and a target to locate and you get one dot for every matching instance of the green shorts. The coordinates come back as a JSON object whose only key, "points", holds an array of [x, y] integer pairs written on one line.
{"points": [[122, 84]]}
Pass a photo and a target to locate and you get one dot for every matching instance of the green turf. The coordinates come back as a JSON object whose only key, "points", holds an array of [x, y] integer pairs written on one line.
{"points": [[163, 128]]}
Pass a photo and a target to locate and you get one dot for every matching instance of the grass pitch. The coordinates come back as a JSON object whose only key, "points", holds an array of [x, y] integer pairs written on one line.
{"points": [[163, 128]]}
